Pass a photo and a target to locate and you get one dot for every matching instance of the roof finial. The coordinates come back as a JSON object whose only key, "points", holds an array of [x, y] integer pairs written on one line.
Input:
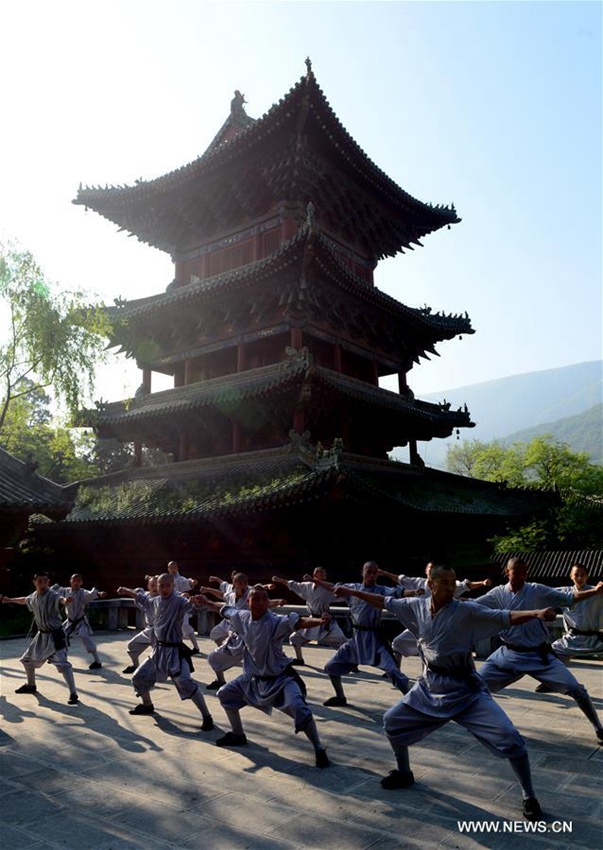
{"points": [[310, 210], [237, 109], [308, 66]]}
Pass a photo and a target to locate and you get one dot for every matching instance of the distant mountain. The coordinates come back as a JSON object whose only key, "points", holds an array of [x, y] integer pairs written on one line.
{"points": [[534, 401], [583, 432]]}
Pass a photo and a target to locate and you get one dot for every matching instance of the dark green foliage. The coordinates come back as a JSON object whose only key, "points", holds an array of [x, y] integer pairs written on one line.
{"points": [[543, 463]]}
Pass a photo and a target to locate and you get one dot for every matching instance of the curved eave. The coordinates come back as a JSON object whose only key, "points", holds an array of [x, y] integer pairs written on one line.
{"points": [[211, 287], [435, 492], [435, 325], [273, 381], [120, 203], [254, 383], [23, 490], [372, 396], [361, 482], [446, 326], [306, 487]]}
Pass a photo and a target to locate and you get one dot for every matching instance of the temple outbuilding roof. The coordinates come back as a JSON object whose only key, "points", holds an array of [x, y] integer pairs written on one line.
{"points": [[22, 489], [549, 564], [206, 490]]}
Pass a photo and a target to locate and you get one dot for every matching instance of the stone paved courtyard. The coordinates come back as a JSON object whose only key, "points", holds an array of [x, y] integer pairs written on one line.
{"points": [[92, 777]]}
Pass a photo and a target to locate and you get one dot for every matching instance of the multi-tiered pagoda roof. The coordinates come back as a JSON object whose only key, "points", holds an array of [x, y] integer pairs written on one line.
{"points": [[277, 340], [298, 149]]}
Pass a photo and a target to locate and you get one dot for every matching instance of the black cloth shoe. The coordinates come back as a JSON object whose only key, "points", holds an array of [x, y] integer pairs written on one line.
{"points": [[214, 686], [130, 668], [322, 759], [544, 689], [599, 734], [73, 699], [231, 739], [208, 723], [141, 708], [26, 689], [531, 809], [335, 701], [297, 662], [195, 651], [96, 665], [396, 779]]}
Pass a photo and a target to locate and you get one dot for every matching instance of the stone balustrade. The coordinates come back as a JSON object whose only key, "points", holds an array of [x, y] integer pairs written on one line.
{"points": [[117, 614]]}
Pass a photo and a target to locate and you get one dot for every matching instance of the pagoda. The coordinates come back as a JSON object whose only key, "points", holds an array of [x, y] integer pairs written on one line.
{"points": [[276, 338]]}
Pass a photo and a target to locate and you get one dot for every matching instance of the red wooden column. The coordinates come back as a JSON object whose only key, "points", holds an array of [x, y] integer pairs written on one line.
{"points": [[288, 228], [337, 360], [296, 337], [375, 373], [237, 438], [183, 446], [345, 432], [402, 383], [241, 357], [299, 420], [146, 379], [414, 456], [187, 371], [137, 453], [180, 271], [258, 241]]}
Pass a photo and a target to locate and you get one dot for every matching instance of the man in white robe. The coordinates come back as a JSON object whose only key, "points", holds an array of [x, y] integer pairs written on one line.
{"points": [[367, 645], [76, 625], [184, 585], [318, 601], [526, 648], [49, 644], [583, 622], [143, 599]]}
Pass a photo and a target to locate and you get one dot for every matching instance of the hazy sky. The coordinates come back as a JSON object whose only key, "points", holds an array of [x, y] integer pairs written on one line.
{"points": [[493, 106]]}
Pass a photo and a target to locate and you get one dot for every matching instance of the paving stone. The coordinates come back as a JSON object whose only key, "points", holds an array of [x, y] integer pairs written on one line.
{"points": [[165, 823], [126, 783], [85, 832], [18, 839], [318, 832], [21, 806]]}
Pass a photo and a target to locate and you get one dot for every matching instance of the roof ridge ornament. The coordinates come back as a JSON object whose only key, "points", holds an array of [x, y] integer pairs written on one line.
{"points": [[237, 105], [309, 72], [298, 358], [310, 215]]}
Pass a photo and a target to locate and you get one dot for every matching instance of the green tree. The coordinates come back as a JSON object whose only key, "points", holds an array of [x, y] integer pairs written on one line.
{"points": [[543, 463], [56, 452], [47, 339]]}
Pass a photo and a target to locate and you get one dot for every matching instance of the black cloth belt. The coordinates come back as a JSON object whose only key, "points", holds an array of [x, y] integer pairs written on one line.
{"points": [[76, 622], [587, 632], [543, 649], [184, 653], [71, 624], [289, 671], [58, 637], [366, 628], [463, 674]]}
